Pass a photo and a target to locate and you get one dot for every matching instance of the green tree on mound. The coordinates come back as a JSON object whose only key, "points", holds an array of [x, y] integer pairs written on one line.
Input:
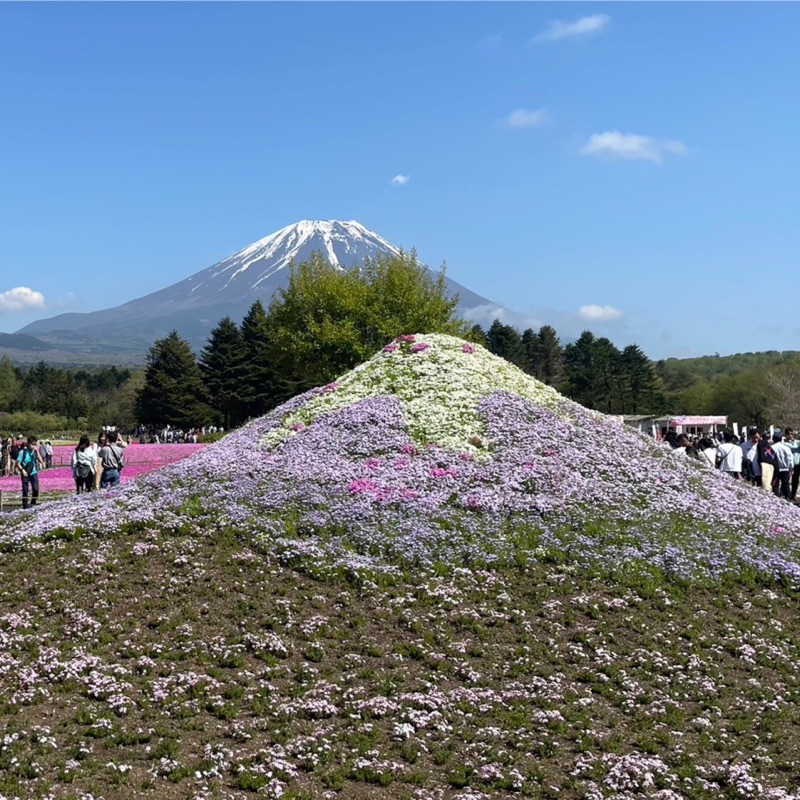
{"points": [[174, 392], [222, 363], [328, 320]]}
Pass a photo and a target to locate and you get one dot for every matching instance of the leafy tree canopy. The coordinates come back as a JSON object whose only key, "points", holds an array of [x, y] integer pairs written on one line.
{"points": [[328, 320]]}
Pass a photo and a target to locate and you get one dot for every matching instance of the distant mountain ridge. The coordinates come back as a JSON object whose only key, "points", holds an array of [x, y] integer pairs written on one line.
{"points": [[21, 341], [196, 304]]}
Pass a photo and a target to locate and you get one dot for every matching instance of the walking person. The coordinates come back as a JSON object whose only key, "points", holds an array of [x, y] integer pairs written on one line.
{"points": [[729, 456], [48, 454], [28, 464], [751, 458], [784, 467], [113, 461], [102, 441], [768, 461], [84, 465], [794, 445]]}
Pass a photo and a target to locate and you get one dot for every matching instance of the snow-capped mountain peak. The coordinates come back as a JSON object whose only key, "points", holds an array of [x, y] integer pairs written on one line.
{"points": [[343, 244], [194, 305]]}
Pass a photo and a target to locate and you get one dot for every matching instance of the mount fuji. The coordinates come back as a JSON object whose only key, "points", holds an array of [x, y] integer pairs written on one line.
{"points": [[196, 304]]}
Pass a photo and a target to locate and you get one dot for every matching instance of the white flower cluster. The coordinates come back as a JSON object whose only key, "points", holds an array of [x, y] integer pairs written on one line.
{"points": [[439, 381]]}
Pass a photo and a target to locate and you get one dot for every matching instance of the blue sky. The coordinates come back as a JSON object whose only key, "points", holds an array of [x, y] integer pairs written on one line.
{"points": [[632, 169]]}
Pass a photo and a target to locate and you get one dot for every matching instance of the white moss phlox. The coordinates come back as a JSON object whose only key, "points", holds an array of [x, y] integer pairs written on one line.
{"points": [[439, 387]]}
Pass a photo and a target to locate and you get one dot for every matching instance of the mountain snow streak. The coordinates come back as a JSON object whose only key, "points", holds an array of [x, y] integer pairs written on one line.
{"points": [[435, 452]]}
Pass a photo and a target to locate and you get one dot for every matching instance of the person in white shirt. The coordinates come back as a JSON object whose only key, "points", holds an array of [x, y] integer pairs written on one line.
{"points": [[729, 456], [707, 451], [784, 466], [794, 445]]}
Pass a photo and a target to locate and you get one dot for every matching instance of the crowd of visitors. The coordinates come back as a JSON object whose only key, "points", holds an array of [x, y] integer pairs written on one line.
{"points": [[771, 462], [95, 465], [170, 435]]}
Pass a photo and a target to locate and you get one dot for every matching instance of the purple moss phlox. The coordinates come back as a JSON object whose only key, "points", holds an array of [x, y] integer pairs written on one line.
{"points": [[573, 483]]}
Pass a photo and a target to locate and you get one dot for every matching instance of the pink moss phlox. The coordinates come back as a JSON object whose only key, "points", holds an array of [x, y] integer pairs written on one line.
{"points": [[362, 485], [444, 472], [419, 347], [467, 348]]}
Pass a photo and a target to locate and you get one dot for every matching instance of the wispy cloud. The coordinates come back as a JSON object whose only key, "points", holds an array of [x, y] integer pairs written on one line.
{"points": [[20, 299], [616, 145], [400, 180], [523, 118], [595, 313], [585, 26], [484, 315]]}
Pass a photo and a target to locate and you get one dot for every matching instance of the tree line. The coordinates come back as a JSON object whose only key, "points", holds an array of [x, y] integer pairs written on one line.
{"points": [[591, 370], [326, 321], [44, 397], [322, 324]]}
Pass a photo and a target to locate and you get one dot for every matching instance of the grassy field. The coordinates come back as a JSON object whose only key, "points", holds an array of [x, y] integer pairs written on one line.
{"points": [[357, 612]]}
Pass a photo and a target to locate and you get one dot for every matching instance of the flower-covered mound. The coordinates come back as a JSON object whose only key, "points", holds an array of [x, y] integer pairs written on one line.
{"points": [[435, 579], [437, 454]]}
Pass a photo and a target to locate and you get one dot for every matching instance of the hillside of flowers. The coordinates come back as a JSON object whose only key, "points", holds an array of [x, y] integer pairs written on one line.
{"points": [[434, 578], [436, 452]]}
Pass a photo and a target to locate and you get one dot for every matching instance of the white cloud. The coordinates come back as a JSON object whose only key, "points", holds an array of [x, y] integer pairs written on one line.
{"points": [[558, 29], [613, 144], [522, 118], [20, 299], [400, 180], [595, 313], [484, 315]]}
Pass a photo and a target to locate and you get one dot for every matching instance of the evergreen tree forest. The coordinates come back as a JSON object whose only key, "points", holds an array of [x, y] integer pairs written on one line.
{"points": [[326, 321], [591, 370]]}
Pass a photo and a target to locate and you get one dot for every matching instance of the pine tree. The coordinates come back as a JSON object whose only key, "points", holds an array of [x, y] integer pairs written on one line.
{"points": [[551, 356], [642, 387], [477, 335], [222, 363], [607, 388], [174, 391], [505, 341], [580, 369], [531, 346], [261, 388]]}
